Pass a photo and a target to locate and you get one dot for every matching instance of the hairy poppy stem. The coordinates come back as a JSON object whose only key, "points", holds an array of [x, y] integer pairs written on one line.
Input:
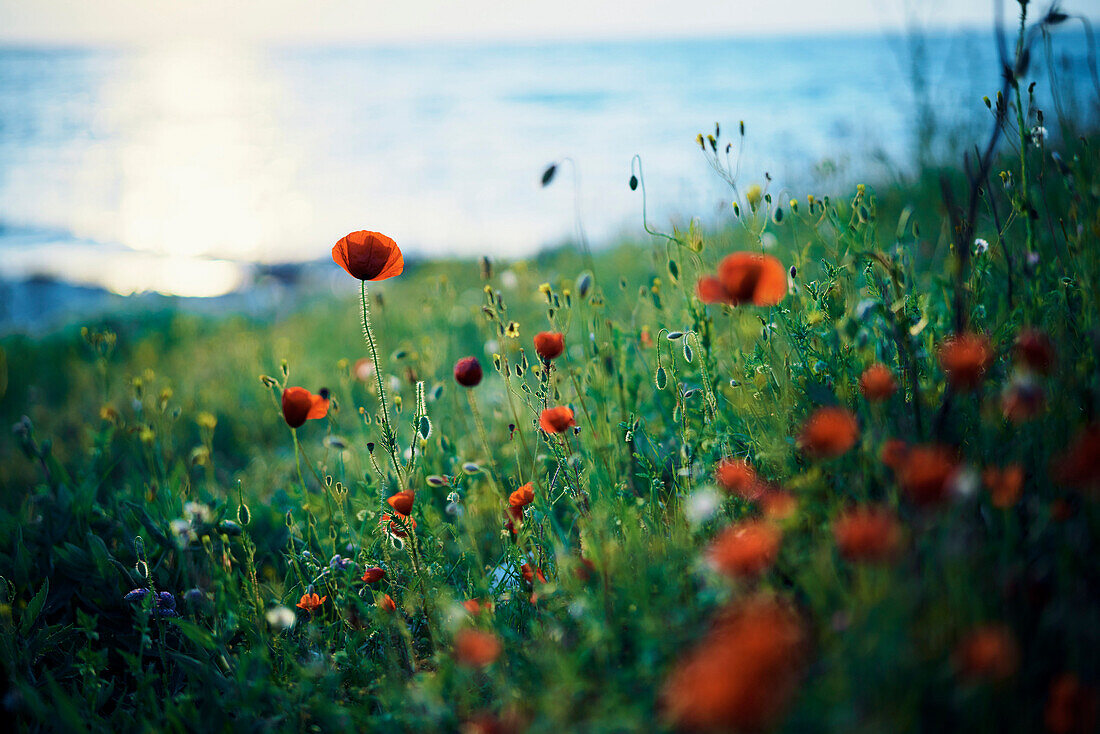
{"points": [[389, 437]]}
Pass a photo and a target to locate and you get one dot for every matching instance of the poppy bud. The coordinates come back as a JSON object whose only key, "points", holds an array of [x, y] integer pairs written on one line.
{"points": [[468, 372], [387, 603], [549, 344]]}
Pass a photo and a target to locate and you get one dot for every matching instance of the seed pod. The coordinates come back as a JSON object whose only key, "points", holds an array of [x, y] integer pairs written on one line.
{"points": [[661, 378], [688, 354], [633, 183], [673, 335], [548, 174], [424, 428]]}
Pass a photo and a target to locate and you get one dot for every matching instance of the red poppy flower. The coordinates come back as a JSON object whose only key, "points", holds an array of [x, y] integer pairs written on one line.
{"points": [[368, 256], [476, 649], [387, 603], [311, 602], [965, 359], [549, 344], [584, 569], [556, 420], [1023, 398], [748, 277], [877, 383], [829, 432], [468, 372], [710, 290], [477, 606], [742, 675], [778, 505], [509, 722], [1004, 485], [402, 502], [738, 477], [396, 529], [988, 652], [925, 473], [746, 549], [870, 534], [1034, 349], [530, 574], [300, 405], [1071, 706], [1079, 466], [374, 574], [894, 452], [523, 496]]}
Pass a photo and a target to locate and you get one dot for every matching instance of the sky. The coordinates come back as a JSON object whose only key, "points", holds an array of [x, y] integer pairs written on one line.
{"points": [[359, 21]]}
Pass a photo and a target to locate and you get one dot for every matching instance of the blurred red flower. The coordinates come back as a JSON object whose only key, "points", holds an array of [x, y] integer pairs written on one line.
{"points": [[965, 359], [877, 383], [738, 477], [1071, 706], [988, 652], [829, 432], [925, 473], [1034, 348], [1004, 484], [1079, 466], [476, 649], [746, 549], [868, 534], [556, 420], [742, 675]]}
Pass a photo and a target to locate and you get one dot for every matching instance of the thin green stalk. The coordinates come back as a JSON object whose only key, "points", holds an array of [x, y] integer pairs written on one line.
{"points": [[389, 436]]}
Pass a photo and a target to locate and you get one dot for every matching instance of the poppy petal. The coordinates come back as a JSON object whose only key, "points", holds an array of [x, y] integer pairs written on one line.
{"points": [[318, 407], [711, 290], [771, 286]]}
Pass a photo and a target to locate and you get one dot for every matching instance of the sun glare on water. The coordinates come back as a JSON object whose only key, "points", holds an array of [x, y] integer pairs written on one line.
{"points": [[200, 175]]}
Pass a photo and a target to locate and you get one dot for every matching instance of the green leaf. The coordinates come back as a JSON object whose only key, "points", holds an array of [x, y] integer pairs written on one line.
{"points": [[30, 614], [196, 634]]}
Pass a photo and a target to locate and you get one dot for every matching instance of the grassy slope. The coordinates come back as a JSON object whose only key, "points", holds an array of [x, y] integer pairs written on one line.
{"points": [[591, 654]]}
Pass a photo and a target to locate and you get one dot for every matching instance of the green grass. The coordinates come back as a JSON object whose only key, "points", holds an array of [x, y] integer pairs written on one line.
{"points": [[121, 435]]}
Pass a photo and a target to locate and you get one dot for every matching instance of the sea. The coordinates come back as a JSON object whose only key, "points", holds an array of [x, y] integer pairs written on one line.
{"points": [[181, 169]]}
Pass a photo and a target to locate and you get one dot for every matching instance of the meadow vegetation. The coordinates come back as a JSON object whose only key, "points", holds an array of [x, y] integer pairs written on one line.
{"points": [[832, 466]]}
